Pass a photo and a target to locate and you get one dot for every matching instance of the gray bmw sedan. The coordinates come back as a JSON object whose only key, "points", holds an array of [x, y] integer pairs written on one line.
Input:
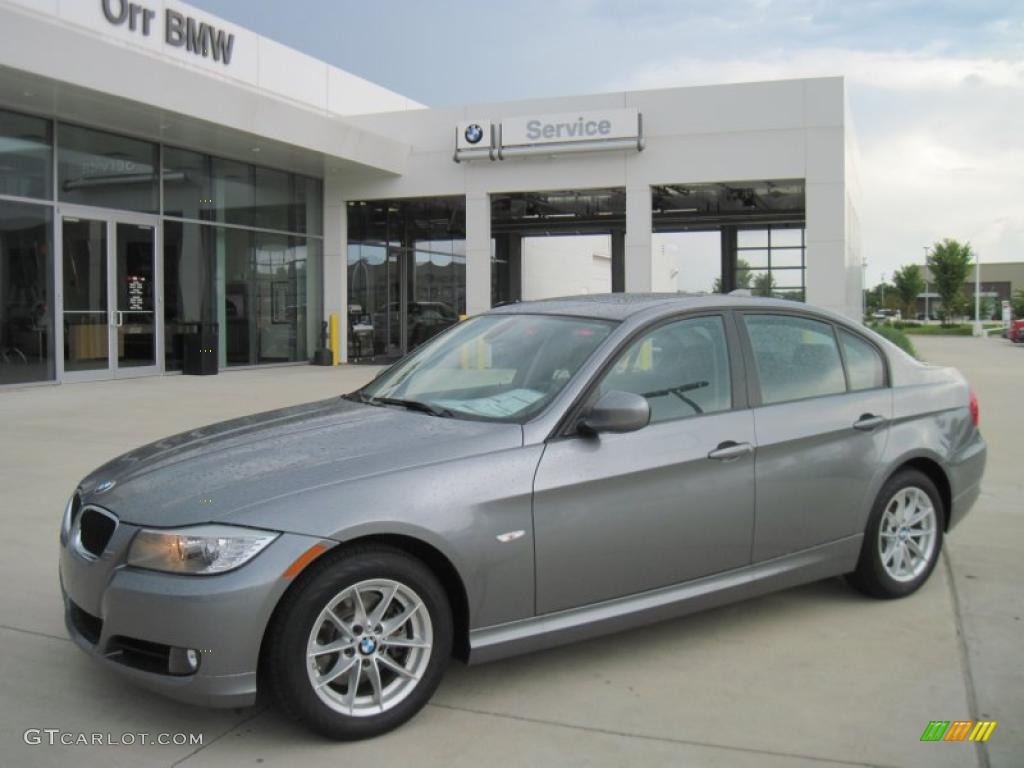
{"points": [[538, 474]]}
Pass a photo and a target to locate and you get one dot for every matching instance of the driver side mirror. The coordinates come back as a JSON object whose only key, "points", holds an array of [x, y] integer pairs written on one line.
{"points": [[616, 411]]}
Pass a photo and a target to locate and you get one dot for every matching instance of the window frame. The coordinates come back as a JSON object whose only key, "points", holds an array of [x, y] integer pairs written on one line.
{"points": [[753, 375], [566, 426]]}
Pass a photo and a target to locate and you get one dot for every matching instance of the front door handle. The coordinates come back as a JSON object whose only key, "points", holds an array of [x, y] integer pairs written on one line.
{"points": [[730, 450], [868, 422]]}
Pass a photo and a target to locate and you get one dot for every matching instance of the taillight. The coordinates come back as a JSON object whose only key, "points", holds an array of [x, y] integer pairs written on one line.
{"points": [[972, 403]]}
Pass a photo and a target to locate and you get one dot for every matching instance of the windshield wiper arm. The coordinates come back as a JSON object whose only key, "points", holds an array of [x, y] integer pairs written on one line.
{"points": [[412, 405]]}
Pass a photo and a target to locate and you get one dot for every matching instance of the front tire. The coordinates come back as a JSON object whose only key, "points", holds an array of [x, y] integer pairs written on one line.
{"points": [[903, 537], [360, 644]]}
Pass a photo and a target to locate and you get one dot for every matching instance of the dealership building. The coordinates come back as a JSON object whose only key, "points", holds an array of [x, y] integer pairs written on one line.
{"points": [[167, 176]]}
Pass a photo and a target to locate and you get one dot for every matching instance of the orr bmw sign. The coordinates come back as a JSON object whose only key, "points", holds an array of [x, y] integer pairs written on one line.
{"points": [[549, 134], [179, 29]]}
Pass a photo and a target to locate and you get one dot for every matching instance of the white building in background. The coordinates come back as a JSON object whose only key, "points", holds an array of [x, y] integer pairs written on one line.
{"points": [[164, 172]]}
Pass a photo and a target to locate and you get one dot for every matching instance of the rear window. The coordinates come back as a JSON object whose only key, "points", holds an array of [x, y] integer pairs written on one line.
{"points": [[863, 362]]}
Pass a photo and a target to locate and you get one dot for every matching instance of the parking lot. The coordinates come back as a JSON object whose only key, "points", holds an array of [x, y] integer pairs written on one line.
{"points": [[813, 676]]}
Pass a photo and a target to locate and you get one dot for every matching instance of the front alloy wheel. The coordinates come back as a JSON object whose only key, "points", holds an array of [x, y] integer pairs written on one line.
{"points": [[359, 643], [369, 647]]}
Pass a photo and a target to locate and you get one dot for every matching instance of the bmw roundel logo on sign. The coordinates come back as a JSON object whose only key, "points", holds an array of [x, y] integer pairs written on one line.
{"points": [[474, 133]]}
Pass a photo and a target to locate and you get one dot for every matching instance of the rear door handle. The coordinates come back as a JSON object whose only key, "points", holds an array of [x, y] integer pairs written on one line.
{"points": [[868, 422], [730, 450]]}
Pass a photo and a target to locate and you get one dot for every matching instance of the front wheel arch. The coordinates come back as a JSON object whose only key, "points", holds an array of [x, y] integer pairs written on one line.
{"points": [[436, 561]]}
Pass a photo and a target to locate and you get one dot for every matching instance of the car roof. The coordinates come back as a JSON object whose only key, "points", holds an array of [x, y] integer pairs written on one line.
{"points": [[620, 306]]}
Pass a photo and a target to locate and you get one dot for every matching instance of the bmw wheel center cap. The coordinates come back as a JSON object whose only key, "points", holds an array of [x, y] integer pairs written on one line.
{"points": [[367, 646]]}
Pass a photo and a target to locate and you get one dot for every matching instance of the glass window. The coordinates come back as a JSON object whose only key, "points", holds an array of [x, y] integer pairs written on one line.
{"points": [[421, 243], [796, 357], [98, 168], [682, 368], [494, 367], [309, 206], [26, 307], [26, 156], [863, 362], [188, 185], [272, 209], [233, 193], [198, 186], [189, 270]]}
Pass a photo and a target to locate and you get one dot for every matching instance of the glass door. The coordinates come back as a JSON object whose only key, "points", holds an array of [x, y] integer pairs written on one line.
{"points": [[135, 299], [110, 284], [86, 298]]}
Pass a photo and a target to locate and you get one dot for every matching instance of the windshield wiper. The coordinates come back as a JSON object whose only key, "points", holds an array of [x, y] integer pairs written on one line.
{"points": [[412, 405]]}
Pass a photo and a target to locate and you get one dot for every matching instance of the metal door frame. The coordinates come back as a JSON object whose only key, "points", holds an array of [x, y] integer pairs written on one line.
{"points": [[111, 218]]}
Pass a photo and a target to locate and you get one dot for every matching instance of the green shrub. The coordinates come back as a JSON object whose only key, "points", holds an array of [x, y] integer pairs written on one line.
{"points": [[896, 336]]}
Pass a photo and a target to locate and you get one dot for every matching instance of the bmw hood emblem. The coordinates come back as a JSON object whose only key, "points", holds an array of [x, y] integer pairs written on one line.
{"points": [[474, 133]]}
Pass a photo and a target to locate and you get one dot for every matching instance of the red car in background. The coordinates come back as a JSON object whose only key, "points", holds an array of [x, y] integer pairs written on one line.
{"points": [[1015, 332]]}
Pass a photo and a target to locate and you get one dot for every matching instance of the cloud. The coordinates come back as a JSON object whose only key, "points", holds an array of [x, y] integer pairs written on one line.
{"points": [[940, 136], [888, 70]]}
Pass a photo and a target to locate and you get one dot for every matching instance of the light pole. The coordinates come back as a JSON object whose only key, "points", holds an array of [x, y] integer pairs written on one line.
{"points": [[977, 295]]}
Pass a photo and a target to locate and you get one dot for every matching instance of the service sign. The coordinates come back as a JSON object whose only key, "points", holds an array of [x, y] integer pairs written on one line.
{"points": [[570, 127]]}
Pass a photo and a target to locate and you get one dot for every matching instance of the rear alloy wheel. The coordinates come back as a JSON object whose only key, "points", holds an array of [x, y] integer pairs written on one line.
{"points": [[360, 645], [903, 537]]}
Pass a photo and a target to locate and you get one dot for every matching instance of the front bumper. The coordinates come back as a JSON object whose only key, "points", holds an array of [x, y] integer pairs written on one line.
{"points": [[112, 610]]}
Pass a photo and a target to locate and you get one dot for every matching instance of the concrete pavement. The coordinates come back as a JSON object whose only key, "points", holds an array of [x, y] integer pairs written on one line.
{"points": [[813, 676]]}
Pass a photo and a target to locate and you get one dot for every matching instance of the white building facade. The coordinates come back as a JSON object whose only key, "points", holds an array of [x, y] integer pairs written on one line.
{"points": [[167, 176]]}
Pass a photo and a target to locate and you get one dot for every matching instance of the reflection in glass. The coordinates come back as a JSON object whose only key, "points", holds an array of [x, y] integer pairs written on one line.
{"points": [[26, 152], [198, 186], [136, 308], [189, 270], [103, 169], [437, 288], [86, 318], [406, 273], [566, 265], [263, 289], [269, 285], [26, 309], [686, 262]]}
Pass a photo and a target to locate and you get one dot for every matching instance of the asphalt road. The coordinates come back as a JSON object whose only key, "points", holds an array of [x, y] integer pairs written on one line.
{"points": [[814, 676]]}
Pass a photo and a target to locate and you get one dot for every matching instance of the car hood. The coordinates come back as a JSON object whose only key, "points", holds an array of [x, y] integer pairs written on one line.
{"points": [[214, 473]]}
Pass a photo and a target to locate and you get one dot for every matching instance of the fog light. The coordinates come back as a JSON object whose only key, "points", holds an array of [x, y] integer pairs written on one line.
{"points": [[183, 661]]}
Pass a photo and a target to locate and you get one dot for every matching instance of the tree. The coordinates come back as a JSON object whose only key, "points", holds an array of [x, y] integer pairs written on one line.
{"points": [[742, 277], [908, 284], [950, 264], [764, 284], [1017, 304]]}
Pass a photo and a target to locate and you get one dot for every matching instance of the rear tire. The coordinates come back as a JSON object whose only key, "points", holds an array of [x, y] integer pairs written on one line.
{"points": [[903, 537], [360, 644]]}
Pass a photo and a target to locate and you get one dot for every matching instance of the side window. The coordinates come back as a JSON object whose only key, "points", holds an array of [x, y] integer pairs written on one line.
{"points": [[682, 368], [863, 362], [796, 357]]}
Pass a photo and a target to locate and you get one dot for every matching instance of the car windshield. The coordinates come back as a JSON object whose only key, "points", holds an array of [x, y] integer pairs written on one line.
{"points": [[493, 367]]}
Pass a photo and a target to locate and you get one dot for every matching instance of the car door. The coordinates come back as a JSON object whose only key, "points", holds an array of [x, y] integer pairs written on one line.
{"points": [[618, 514], [822, 408]]}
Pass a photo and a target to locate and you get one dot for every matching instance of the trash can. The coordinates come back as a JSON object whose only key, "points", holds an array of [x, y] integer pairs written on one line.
{"points": [[200, 356]]}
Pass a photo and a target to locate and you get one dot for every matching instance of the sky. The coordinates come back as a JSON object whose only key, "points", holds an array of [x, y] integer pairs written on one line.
{"points": [[936, 89]]}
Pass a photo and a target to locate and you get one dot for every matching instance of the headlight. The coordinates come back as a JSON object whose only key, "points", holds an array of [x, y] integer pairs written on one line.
{"points": [[199, 550]]}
